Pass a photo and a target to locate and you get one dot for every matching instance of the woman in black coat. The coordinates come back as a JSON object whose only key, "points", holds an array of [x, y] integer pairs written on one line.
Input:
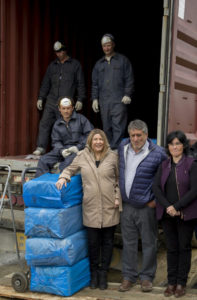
{"points": [[175, 190]]}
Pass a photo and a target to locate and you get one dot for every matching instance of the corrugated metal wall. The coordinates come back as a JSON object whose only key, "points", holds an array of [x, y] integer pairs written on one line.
{"points": [[28, 31], [183, 84], [20, 61]]}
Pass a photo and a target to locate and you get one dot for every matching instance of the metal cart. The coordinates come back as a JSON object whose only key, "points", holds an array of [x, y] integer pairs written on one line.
{"points": [[20, 280]]}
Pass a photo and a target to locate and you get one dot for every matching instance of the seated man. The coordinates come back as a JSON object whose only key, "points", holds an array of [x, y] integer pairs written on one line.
{"points": [[68, 136]]}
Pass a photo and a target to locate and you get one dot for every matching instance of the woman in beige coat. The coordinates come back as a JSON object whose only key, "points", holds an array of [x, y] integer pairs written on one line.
{"points": [[102, 203]]}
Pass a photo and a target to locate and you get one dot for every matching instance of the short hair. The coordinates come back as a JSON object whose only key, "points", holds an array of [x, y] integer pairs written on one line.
{"points": [[180, 135], [104, 137], [139, 125], [60, 99]]}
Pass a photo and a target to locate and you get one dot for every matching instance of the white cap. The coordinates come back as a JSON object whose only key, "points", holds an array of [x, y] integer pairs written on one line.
{"points": [[107, 38], [65, 102], [58, 46]]}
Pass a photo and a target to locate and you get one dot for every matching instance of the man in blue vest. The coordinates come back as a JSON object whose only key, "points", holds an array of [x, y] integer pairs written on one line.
{"points": [[139, 159]]}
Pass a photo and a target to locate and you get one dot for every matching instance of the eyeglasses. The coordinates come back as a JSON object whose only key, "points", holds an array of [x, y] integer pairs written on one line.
{"points": [[175, 144]]}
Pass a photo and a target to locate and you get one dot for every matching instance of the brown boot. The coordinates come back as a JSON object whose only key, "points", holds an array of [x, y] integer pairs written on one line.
{"points": [[170, 290], [125, 285], [146, 286], [180, 291]]}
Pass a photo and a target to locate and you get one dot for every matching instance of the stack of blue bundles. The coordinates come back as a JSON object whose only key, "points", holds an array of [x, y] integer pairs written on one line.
{"points": [[56, 248], [42, 192]]}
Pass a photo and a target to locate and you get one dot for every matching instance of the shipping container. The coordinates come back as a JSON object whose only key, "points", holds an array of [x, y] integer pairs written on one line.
{"points": [[177, 105], [159, 37], [165, 99]]}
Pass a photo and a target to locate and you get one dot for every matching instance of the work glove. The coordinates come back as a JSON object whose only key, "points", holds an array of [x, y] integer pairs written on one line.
{"points": [[95, 106], [65, 153], [126, 100], [73, 149], [39, 104], [78, 105]]}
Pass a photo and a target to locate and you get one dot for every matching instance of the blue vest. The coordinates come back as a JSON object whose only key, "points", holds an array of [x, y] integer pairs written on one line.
{"points": [[141, 190]]}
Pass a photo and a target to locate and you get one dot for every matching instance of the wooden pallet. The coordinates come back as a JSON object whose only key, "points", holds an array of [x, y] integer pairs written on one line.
{"points": [[87, 294], [9, 292]]}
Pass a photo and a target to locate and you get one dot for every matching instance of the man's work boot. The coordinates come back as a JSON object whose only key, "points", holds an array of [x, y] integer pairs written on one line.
{"points": [[146, 286], [39, 151], [125, 285]]}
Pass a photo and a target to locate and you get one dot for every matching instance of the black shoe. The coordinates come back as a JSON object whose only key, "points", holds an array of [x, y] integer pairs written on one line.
{"points": [[103, 280], [94, 280]]}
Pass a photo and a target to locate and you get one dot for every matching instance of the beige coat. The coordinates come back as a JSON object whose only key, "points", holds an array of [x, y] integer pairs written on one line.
{"points": [[100, 188]]}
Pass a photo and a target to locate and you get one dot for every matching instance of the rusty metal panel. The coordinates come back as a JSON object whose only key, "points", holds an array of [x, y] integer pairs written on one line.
{"points": [[19, 75], [27, 36], [183, 83], [28, 29]]}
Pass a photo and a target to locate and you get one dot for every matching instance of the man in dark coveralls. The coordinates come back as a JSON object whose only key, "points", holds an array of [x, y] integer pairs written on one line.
{"points": [[112, 89], [68, 136], [64, 77]]}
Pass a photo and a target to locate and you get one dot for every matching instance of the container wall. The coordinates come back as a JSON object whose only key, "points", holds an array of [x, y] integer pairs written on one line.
{"points": [[28, 31], [183, 83], [20, 63]]}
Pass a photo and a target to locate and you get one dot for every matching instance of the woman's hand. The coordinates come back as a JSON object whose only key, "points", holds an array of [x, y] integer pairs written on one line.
{"points": [[60, 182], [116, 203], [172, 211]]}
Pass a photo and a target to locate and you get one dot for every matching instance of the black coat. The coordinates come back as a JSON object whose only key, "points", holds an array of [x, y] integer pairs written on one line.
{"points": [[65, 79]]}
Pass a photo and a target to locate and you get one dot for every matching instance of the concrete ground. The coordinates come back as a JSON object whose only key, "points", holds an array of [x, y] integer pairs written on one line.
{"points": [[7, 292], [9, 265]]}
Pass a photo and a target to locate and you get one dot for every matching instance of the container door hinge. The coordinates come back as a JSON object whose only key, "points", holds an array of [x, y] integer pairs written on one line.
{"points": [[162, 88], [166, 11]]}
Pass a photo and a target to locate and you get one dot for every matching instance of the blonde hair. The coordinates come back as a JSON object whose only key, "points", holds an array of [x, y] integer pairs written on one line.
{"points": [[104, 137]]}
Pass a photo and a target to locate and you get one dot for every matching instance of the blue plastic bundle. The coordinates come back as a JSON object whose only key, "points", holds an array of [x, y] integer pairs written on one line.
{"points": [[53, 222], [42, 192], [64, 281], [57, 252]]}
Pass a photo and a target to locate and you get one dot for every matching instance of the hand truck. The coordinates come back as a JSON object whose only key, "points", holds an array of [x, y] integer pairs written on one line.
{"points": [[20, 280]]}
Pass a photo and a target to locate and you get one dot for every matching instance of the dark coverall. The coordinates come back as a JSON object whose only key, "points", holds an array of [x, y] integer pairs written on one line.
{"points": [[65, 80], [111, 81], [65, 135]]}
